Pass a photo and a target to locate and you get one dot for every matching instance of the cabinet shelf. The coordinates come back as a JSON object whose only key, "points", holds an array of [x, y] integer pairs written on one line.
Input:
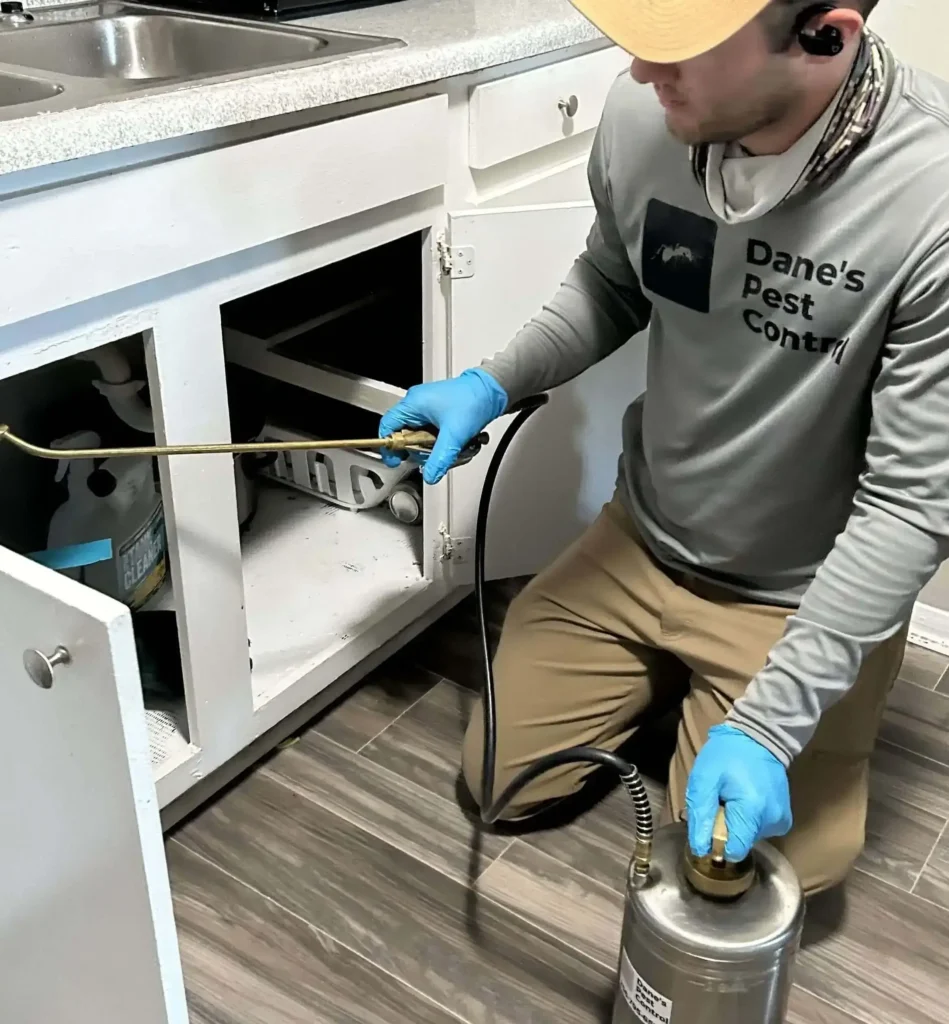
{"points": [[316, 575], [168, 743]]}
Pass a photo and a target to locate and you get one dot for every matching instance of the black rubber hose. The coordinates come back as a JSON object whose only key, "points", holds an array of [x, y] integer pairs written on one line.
{"points": [[523, 412], [491, 809]]}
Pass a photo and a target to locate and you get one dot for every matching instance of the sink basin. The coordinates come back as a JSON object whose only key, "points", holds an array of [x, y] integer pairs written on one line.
{"points": [[143, 44], [14, 89]]}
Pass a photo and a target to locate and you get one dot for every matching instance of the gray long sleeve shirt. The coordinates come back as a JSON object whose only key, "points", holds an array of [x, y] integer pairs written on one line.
{"points": [[793, 440]]}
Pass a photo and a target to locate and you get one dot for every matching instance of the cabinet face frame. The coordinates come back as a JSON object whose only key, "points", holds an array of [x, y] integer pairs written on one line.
{"points": [[180, 319], [178, 303]]}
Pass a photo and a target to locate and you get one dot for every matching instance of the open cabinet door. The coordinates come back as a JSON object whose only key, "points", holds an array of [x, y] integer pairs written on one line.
{"points": [[87, 934], [562, 467]]}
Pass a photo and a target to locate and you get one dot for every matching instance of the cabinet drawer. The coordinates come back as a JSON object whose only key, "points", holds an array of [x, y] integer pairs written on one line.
{"points": [[525, 112]]}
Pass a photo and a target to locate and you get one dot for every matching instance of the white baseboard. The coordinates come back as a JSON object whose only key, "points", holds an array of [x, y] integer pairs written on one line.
{"points": [[929, 628]]}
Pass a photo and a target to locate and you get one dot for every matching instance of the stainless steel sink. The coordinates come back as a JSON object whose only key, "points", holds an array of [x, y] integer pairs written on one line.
{"points": [[15, 89], [89, 52], [114, 41]]}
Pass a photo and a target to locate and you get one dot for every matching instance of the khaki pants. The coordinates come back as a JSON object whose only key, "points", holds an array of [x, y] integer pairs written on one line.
{"points": [[605, 634]]}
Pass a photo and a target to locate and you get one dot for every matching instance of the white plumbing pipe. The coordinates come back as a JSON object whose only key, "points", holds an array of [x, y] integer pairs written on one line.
{"points": [[117, 387]]}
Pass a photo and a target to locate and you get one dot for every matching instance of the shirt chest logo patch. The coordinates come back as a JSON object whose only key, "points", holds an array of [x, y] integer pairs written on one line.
{"points": [[678, 249]]}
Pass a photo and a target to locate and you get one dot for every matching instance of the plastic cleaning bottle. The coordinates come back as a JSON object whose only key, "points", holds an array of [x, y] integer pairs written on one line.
{"points": [[115, 501]]}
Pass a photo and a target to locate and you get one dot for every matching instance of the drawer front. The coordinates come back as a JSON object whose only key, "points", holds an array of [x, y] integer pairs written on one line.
{"points": [[525, 112], [113, 232]]}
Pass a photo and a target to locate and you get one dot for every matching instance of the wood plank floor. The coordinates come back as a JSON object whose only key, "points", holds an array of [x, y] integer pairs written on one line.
{"points": [[340, 882]]}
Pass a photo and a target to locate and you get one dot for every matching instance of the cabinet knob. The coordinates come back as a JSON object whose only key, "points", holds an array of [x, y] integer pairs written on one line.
{"points": [[41, 667], [569, 106]]}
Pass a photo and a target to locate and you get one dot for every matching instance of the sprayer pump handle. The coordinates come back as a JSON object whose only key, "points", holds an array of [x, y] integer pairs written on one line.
{"points": [[719, 836]]}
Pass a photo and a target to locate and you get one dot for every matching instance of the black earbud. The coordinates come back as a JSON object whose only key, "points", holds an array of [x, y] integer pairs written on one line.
{"points": [[827, 41]]}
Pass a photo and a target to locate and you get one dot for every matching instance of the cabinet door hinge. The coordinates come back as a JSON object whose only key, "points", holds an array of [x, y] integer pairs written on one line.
{"points": [[456, 550], [445, 544], [456, 261]]}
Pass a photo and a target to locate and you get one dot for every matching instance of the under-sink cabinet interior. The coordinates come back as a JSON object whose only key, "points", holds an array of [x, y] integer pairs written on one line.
{"points": [[329, 542]]}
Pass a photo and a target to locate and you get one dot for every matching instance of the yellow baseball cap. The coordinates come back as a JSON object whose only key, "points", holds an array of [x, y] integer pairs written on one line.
{"points": [[668, 31]]}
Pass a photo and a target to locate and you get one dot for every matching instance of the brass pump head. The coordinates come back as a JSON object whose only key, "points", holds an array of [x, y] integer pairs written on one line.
{"points": [[713, 876]]}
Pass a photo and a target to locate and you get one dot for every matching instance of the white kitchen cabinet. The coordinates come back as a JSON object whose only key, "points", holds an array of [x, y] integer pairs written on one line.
{"points": [[562, 466], [320, 595], [87, 933]]}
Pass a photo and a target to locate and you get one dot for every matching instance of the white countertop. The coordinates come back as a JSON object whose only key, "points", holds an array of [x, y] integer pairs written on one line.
{"points": [[445, 38]]}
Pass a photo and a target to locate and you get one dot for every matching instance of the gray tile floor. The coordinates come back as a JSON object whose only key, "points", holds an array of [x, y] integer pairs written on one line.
{"points": [[337, 882]]}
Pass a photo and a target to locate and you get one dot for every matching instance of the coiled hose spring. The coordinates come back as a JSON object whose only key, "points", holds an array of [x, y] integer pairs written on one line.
{"points": [[491, 807]]}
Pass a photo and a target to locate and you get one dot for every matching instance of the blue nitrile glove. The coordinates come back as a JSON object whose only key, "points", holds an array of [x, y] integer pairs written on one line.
{"points": [[459, 408], [737, 771]]}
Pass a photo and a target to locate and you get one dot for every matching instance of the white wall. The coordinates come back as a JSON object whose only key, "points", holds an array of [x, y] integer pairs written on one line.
{"points": [[917, 30], [936, 595]]}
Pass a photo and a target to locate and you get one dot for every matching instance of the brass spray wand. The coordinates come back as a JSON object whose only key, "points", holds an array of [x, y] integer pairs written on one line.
{"points": [[410, 441]]}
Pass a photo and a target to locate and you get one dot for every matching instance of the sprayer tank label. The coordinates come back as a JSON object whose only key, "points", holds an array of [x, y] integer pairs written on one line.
{"points": [[649, 1006]]}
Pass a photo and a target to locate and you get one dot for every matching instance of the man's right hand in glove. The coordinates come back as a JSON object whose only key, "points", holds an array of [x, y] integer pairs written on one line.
{"points": [[459, 409]]}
